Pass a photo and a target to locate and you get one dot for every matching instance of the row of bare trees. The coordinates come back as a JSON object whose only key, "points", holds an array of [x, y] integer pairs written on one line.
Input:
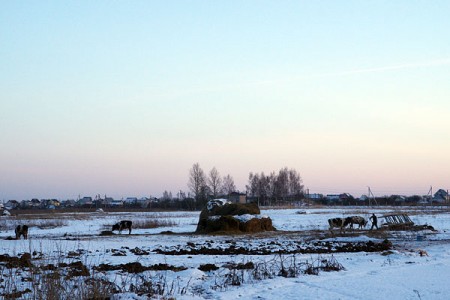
{"points": [[212, 184], [275, 188], [278, 187]]}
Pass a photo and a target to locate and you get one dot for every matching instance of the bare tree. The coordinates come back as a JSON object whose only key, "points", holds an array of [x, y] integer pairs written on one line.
{"points": [[259, 186], [214, 182], [228, 185], [167, 195], [272, 184], [295, 183], [284, 185], [197, 182], [252, 186]]}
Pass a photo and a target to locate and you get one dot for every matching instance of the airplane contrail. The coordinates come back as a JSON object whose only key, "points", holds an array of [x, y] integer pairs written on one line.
{"points": [[432, 63], [233, 86]]}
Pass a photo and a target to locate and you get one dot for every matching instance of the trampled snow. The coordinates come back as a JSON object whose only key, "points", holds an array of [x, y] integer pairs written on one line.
{"points": [[404, 273]]}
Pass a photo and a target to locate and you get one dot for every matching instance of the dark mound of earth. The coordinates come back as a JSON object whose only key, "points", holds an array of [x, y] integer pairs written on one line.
{"points": [[136, 267], [318, 247]]}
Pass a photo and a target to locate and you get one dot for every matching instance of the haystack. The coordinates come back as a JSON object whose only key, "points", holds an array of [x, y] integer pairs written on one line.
{"points": [[233, 218]]}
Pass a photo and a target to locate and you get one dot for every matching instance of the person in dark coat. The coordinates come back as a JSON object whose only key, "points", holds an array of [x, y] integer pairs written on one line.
{"points": [[374, 220]]}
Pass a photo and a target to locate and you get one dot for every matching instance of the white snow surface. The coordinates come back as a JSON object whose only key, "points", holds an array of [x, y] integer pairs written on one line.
{"points": [[404, 274]]}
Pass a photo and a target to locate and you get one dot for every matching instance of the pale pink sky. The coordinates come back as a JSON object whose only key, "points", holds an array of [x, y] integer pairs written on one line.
{"points": [[123, 98]]}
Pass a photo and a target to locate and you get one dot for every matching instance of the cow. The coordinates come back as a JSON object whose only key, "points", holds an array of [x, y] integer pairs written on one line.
{"points": [[340, 223], [21, 230], [125, 224], [360, 221]]}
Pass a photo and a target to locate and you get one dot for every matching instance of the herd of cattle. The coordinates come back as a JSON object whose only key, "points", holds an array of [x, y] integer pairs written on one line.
{"points": [[342, 223]]}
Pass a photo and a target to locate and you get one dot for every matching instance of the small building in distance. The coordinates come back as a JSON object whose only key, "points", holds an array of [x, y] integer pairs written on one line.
{"points": [[314, 196], [12, 204], [85, 201], [441, 196], [237, 197], [333, 198], [68, 203]]}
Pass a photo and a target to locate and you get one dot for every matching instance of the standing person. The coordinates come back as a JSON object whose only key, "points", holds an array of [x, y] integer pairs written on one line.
{"points": [[374, 220]]}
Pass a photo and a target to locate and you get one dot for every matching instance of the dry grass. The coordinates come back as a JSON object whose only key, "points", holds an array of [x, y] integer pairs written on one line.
{"points": [[145, 224], [163, 215], [153, 223], [39, 223], [47, 224], [30, 277], [49, 215]]}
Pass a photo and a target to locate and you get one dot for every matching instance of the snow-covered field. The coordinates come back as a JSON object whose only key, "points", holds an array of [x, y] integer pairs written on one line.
{"points": [[417, 267]]}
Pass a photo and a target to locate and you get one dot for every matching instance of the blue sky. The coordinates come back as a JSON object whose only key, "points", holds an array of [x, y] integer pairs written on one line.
{"points": [[122, 97]]}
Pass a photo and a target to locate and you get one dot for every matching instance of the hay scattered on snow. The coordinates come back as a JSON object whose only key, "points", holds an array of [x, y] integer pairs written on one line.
{"points": [[241, 218]]}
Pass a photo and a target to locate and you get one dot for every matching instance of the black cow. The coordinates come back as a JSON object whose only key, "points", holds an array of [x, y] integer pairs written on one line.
{"points": [[21, 230], [126, 224], [360, 221], [340, 223]]}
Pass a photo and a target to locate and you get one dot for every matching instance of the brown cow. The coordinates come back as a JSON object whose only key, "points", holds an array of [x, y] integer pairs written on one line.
{"points": [[358, 220]]}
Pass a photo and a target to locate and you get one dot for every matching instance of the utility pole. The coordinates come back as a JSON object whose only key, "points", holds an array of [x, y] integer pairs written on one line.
{"points": [[371, 197], [430, 193]]}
